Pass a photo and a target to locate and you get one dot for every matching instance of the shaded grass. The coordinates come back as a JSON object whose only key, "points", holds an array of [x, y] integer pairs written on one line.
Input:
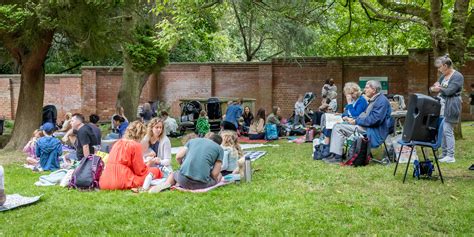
{"points": [[290, 195]]}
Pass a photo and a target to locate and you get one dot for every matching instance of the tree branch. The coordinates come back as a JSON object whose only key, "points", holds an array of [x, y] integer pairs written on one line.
{"points": [[241, 28], [408, 9], [348, 3], [383, 17], [211, 4], [469, 30]]}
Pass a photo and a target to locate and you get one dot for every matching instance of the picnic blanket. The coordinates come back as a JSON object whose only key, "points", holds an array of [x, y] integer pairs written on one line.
{"points": [[204, 190], [247, 140], [16, 200], [254, 155], [175, 150]]}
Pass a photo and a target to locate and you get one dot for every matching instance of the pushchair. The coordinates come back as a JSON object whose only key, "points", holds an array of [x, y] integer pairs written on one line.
{"points": [[189, 114], [214, 113], [50, 114], [307, 99]]}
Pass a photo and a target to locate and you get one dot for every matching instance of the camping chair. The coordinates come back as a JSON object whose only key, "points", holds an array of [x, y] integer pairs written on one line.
{"points": [[434, 147], [387, 159]]}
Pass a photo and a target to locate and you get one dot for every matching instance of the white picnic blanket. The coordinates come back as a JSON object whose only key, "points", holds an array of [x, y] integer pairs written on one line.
{"points": [[175, 150], [16, 200]]}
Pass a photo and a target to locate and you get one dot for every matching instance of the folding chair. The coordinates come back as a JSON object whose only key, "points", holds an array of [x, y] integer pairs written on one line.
{"points": [[434, 147]]}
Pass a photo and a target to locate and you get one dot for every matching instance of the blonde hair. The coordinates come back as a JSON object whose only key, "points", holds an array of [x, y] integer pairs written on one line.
{"points": [[351, 87], [230, 139], [68, 115], [39, 132], [153, 123], [135, 131]]}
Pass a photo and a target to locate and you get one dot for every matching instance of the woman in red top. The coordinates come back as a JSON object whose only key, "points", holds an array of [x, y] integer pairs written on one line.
{"points": [[125, 167]]}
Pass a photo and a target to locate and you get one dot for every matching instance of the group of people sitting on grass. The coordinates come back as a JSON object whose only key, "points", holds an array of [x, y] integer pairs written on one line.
{"points": [[141, 160], [56, 146], [243, 121], [141, 157]]}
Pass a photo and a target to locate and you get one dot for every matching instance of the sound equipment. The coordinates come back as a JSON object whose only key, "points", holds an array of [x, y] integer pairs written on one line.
{"points": [[421, 120]]}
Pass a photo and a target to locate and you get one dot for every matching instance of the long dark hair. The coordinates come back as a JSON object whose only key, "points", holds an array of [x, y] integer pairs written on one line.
{"points": [[260, 114]]}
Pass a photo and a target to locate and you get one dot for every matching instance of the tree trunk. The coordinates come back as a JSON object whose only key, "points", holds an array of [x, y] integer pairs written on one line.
{"points": [[130, 89], [30, 103]]}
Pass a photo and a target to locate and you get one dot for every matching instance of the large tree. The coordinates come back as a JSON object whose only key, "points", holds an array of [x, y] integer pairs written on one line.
{"points": [[27, 29], [450, 23]]}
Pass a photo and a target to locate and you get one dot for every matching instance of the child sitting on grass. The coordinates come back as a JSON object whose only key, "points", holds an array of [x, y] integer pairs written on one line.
{"points": [[202, 124], [48, 149], [232, 152], [30, 150]]}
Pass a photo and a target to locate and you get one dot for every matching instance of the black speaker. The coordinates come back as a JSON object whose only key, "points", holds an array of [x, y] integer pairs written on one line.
{"points": [[422, 118]]}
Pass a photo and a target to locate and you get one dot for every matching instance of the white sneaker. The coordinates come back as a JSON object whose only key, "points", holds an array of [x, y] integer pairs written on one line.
{"points": [[447, 159]]}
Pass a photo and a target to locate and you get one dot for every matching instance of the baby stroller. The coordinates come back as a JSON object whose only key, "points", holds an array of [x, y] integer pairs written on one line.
{"points": [[214, 113], [307, 99], [50, 114], [190, 113]]}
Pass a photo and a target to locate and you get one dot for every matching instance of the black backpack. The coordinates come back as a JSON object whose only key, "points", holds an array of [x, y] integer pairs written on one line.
{"points": [[358, 153]]}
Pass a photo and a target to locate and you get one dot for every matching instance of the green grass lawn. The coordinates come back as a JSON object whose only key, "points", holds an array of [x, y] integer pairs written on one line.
{"points": [[290, 195]]}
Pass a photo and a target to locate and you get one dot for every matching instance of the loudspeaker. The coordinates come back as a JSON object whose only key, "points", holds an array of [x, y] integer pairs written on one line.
{"points": [[422, 118]]}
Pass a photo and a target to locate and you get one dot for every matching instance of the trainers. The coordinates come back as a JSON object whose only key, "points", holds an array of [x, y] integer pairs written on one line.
{"points": [[159, 188], [447, 159], [334, 160]]}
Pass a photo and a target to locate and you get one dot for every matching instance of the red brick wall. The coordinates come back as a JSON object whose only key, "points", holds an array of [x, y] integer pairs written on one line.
{"points": [[275, 83]]}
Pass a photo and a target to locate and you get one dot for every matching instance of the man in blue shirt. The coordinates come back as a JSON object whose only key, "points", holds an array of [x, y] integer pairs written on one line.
{"points": [[232, 115]]}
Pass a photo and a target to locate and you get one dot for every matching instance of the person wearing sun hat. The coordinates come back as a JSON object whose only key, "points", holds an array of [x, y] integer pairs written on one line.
{"points": [[48, 148]]}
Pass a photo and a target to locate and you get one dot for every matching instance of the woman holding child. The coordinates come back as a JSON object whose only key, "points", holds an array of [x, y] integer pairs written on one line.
{"points": [[156, 145], [125, 167]]}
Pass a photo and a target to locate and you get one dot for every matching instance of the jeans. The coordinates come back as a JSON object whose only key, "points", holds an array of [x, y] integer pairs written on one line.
{"points": [[448, 140], [298, 120]]}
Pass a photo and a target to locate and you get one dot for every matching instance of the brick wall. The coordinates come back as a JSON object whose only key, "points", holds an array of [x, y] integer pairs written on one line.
{"points": [[275, 83]]}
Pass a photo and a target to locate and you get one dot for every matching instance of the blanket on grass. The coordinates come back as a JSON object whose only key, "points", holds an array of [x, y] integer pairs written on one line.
{"points": [[16, 200], [247, 140], [204, 190], [254, 155], [175, 150]]}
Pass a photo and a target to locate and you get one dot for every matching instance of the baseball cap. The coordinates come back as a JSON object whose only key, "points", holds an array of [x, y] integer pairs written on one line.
{"points": [[47, 127]]}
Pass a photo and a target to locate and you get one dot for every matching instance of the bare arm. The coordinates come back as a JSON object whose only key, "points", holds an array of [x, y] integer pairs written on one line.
{"points": [[180, 155], [85, 150], [216, 171]]}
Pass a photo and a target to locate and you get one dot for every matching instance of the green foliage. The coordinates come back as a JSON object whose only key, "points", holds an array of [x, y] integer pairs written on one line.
{"points": [[145, 54], [290, 194], [12, 17], [189, 30]]}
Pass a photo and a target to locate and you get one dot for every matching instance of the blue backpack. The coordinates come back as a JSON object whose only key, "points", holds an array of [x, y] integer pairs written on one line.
{"points": [[271, 132]]}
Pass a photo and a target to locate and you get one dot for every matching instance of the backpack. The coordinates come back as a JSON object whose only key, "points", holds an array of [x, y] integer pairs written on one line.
{"points": [[358, 153], [271, 132], [87, 174], [423, 168]]}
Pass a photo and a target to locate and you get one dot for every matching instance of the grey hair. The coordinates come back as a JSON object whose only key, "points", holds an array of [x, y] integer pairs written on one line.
{"points": [[444, 60], [351, 87], [375, 85]]}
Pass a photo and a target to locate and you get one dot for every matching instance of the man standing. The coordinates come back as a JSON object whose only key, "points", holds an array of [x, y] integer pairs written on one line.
{"points": [[86, 139], [375, 121]]}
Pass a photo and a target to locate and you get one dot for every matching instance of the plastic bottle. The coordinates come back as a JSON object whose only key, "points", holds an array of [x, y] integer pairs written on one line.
{"points": [[248, 169], [2, 191]]}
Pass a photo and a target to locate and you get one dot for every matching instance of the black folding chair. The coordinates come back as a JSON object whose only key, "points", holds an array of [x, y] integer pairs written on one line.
{"points": [[434, 147]]}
